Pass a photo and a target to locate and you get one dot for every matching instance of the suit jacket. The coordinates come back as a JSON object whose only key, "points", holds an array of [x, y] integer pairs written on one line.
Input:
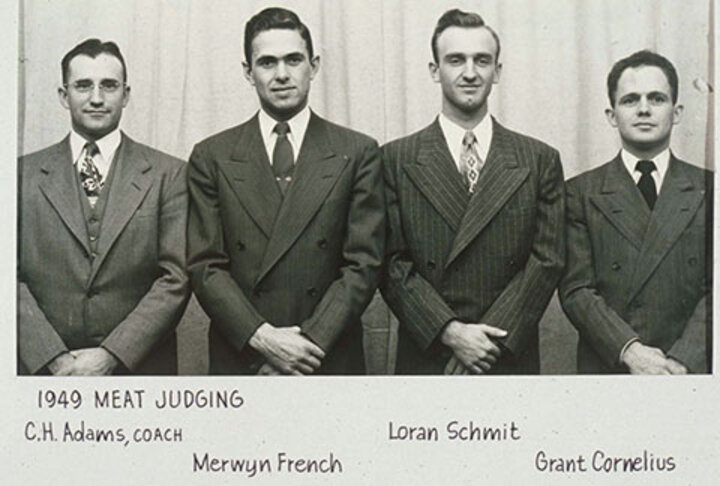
{"points": [[130, 295], [633, 273], [310, 258], [493, 258]]}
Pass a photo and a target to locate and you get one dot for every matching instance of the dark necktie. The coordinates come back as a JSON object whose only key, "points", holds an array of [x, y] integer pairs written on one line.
{"points": [[90, 176], [646, 184], [470, 161], [283, 157]]}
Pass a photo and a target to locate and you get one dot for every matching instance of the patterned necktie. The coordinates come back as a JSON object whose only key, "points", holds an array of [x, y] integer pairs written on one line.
{"points": [[646, 184], [90, 176], [470, 161], [283, 157]]}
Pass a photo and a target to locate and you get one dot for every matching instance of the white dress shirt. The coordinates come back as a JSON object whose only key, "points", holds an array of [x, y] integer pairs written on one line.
{"points": [[107, 147], [662, 160], [298, 127], [454, 135]]}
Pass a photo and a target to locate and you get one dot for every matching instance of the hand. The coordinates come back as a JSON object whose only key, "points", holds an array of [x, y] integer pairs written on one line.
{"points": [[676, 367], [62, 364], [472, 344], [647, 360], [287, 349], [93, 362], [268, 370], [455, 367]]}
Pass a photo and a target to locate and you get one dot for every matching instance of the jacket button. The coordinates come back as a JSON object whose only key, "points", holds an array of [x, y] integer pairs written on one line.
{"points": [[692, 261], [512, 262], [93, 238], [91, 293], [93, 255], [322, 243], [431, 264], [240, 246], [615, 266], [257, 292], [312, 292]]}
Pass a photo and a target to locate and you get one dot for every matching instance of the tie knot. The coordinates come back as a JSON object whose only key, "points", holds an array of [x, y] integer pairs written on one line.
{"points": [[282, 129], [468, 139], [91, 149], [645, 166]]}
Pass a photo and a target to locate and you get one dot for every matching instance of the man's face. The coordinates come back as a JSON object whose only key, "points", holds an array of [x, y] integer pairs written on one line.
{"points": [[644, 112], [466, 69], [281, 71], [95, 94]]}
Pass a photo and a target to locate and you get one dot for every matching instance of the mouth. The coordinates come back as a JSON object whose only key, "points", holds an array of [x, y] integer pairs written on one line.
{"points": [[283, 89], [96, 113], [644, 125], [469, 87]]}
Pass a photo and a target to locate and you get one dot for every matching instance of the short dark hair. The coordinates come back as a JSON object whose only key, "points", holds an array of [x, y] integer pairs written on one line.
{"points": [[642, 58], [458, 18], [92, 48], [274, 18]]}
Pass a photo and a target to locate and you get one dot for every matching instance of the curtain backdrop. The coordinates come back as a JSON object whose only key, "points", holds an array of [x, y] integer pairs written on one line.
{"points": [[184, 65]]}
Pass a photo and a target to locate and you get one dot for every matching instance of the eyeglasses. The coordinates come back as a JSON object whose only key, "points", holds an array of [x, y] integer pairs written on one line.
{"points": [[107, 86]]}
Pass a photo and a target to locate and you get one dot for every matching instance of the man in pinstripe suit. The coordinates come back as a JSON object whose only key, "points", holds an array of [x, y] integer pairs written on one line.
{"points": [[476, 242], [639, 275]]}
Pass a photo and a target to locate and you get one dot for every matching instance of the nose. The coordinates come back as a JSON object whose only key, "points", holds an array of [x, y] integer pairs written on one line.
{"points": [[469, 72], [281, 72], [644, 105], [96, 96]]}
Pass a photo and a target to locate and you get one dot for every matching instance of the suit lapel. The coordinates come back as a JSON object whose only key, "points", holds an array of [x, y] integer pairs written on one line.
{"points": [[677, 203], [130, 184], [622, 204], [250, 175], [316, 172], [435, 175], [503, 173], [61, 190]]}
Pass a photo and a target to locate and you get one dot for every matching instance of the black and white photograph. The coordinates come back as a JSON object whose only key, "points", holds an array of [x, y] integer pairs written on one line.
{"points": [[354, 242]]}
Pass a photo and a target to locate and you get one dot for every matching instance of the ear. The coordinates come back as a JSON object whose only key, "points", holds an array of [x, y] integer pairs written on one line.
{"points": [[247, 70], [677, 113], [497, 72], [314, 66], [126, 96], [63, 96], [610, 115], [434, 71]]}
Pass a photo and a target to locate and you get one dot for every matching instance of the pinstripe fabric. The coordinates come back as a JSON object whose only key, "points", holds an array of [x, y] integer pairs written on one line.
{"points": [[636, 274], [494, 257], [310, 259]]}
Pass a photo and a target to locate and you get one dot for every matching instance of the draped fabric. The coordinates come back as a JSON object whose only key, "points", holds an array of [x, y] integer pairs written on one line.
{"points": [[184, 60]]}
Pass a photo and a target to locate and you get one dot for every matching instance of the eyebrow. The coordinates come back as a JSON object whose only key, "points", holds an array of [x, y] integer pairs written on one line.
{"points": [[286, 56]]}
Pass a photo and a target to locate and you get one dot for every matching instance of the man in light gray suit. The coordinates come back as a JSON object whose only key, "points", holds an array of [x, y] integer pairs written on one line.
{"points": [[101, 270], [639, 275]]}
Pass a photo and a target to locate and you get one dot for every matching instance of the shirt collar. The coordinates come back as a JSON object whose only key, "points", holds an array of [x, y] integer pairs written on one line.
{"points": [[454, 135], [107, 145], [662, 160], [298, 127]]}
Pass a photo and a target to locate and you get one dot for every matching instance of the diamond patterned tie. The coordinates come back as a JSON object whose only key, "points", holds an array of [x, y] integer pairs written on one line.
{"points": [[470, 161], [283, 157], [90, 176], [646, 184]]}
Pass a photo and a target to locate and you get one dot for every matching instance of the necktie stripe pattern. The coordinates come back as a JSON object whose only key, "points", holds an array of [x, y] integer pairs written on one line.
{"points": [[283, 157], [470, 161], [646, 184], [90, 176]]}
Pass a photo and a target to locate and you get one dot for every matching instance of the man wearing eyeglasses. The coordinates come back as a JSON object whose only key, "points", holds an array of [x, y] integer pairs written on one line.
{"points": [[101, 275]]}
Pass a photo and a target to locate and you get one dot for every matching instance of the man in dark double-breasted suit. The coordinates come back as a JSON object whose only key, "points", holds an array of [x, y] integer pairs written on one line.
{"points": [[101, 271], [638, 281], [286, 229], [476, 241]]}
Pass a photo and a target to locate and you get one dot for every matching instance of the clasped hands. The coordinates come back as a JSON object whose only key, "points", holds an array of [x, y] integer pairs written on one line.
{"points": [[474, 351], [286, 350], [641, 359], [84, 362]]}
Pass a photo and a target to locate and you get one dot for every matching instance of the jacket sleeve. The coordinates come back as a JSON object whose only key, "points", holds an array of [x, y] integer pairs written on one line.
{"points": [[208, 260], [159, 311], [38, 342], [418, 306], [362, 253], [599, 324], [520, 306]]}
